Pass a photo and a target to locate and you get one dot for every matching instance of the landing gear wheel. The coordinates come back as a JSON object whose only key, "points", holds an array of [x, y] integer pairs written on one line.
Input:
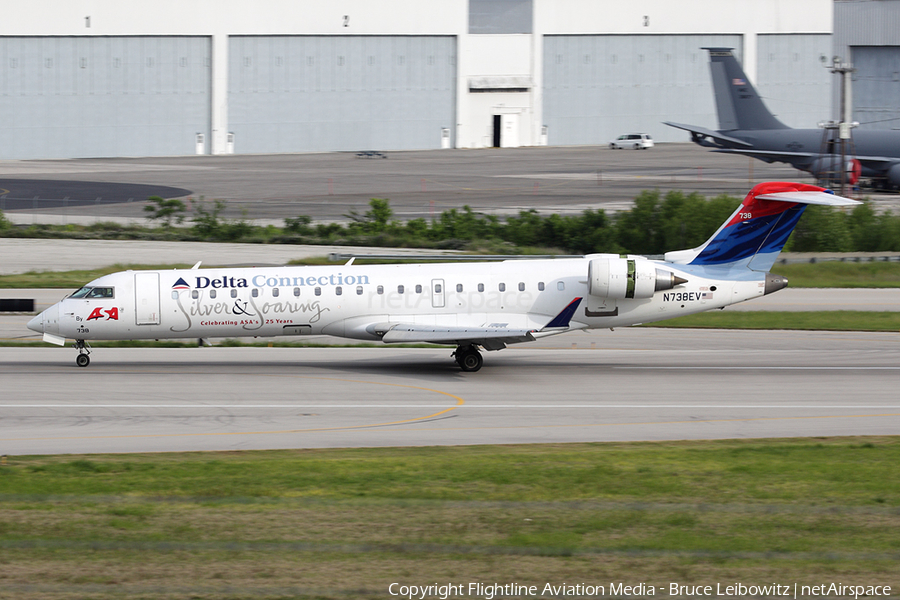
{"points": [[469, 359], [82, 360]]}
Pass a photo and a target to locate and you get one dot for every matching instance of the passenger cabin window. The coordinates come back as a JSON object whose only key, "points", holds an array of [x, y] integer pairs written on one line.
{"points": [[195, 294], [296, 291], [318, 291], [418, 289], [274, 292], [212, 293], [459, 287], [380, 289], [521, 286], [540, 286], [174, 294], [399, 289], [560, 285], [502, 287], [255, 292], [480, 287], [437, 288], [338, 291], [234, 293], [359, 290]]}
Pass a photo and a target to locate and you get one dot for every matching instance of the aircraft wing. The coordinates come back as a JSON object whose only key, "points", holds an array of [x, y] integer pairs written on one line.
{"points": [[709, 133], [486, 336], [875, 163], [492, 338]]}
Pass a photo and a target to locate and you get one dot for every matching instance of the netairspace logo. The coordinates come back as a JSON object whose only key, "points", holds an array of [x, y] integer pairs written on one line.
{"points": [[489, 591]]}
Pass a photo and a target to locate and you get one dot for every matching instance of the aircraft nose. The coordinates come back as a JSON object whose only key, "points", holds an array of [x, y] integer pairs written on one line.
{"points": [[37, 323], [47, 321]]}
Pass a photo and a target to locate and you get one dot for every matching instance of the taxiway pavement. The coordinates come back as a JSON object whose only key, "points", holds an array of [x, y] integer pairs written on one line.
{"points": [[419, 184], [632, 384]]}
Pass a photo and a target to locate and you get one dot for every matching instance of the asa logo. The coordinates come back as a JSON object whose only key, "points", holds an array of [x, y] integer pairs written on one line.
{"points": [[111, 314]]}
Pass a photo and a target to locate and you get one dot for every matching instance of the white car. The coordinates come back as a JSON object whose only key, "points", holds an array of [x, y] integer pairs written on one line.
{"points": [[636, 141]]}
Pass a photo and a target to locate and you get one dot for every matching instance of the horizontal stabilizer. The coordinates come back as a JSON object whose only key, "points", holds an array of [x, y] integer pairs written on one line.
{"points": [[820, 198], [716, 135]]}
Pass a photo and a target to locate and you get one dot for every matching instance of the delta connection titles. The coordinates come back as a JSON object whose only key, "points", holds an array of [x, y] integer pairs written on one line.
{"points": [[489, 591]]}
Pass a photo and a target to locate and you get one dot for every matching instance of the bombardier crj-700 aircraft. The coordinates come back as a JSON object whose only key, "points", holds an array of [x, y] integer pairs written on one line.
{"points": [[747, 127], [487, 305]]}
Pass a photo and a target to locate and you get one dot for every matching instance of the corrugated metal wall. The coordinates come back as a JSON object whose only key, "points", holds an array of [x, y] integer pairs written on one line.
{"points": [[316, 93], [876, 87], [868, 35], [597, 87], [103, 96], [793, 80]]}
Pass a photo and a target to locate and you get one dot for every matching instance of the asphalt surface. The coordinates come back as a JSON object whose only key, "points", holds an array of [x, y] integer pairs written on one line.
{"points": [[632, 384], [328, 186]]}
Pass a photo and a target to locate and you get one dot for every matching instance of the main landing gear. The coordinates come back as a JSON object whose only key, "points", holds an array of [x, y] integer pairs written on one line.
{"points": [[83, 359], [468, 358]]}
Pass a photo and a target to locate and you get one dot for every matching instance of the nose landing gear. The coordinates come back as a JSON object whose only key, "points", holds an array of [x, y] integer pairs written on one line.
{"points": [[84, 350], [468, 358]]}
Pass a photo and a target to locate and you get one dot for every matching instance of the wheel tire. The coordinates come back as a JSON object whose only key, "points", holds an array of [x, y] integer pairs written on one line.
{"points": [[470, 361], [637, 146], [82, 360], [612, 146]]}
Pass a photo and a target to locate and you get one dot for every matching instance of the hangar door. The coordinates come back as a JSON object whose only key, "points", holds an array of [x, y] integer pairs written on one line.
{"points": [[792, 80], [876, 86], [597, 87], [319, 93], [70, 97]]}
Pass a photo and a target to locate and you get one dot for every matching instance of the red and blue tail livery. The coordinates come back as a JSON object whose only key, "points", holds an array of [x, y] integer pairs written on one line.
{"points": [[757, 231]]}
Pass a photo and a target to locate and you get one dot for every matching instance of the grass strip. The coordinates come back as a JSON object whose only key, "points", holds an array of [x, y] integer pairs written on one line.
{"points": [[348, 522], [838, 320], [837, 274]]}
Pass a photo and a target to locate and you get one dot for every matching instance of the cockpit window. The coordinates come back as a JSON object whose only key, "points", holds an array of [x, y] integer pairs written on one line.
{"points": [[94, 292], [101, 292]]}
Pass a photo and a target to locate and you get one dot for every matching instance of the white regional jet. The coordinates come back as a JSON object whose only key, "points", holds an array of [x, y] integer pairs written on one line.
{"points": [[469, 305]]}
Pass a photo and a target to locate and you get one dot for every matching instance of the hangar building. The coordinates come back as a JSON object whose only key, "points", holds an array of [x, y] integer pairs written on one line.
{"points": [[90, 78], [867, 34]]}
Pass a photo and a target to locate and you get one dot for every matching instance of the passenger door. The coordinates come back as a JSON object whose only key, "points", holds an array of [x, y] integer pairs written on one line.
{"points": [[146, 298]]}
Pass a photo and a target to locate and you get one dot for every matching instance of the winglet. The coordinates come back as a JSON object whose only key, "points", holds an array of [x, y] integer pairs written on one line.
{"points": [[562, 319]]}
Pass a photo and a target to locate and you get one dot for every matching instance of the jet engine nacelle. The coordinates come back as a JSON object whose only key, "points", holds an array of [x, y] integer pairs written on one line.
{"points": [[827, 168], [621, 278], [893, 175]]}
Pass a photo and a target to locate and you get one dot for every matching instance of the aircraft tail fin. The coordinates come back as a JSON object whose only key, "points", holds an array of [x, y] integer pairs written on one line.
{"points": [[737, 102], [756, 232]]}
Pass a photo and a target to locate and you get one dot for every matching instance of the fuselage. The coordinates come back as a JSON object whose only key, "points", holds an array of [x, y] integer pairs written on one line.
{"points": [[805, 149], [348, 300]]}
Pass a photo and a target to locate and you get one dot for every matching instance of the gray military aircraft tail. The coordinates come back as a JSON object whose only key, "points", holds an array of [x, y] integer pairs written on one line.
{"points": [[747, 127]]}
